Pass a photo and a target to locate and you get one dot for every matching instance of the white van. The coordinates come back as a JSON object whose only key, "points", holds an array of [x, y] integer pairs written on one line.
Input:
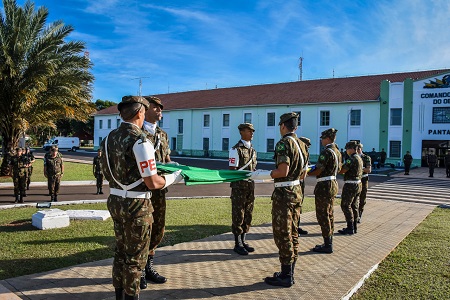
{"points": [[63, 143]]}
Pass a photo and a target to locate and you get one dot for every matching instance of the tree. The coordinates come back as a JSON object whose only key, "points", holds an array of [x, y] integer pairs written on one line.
{"points": [[43, 77]]}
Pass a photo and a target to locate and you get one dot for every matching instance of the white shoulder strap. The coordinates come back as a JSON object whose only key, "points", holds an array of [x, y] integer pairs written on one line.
{"points": [[335, 159], [123, 186], [299, 152], [251, 159]]}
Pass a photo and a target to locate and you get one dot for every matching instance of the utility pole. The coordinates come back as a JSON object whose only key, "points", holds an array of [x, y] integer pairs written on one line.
{"points": [[300, 66], [140, 84]]}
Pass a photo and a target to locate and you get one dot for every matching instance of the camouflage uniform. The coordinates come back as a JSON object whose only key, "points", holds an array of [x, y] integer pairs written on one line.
{"points": [[432, 163], [286, 203], [98, 173], [19, 173], [364, 182], [351, 190], [243, 191], [326, 190], [31, 160], [132, 216], [53, 167]]}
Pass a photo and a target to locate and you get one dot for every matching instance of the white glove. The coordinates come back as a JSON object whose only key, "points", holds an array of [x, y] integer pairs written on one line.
{"points": [[173, 178], [260, 175]]}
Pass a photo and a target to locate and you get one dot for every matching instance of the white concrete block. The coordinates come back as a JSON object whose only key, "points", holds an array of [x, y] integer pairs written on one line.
{"points": [[93, 214], [50, 218]]}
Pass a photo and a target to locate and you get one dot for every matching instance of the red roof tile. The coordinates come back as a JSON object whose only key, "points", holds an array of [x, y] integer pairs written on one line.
{"points": [[333, 90]]}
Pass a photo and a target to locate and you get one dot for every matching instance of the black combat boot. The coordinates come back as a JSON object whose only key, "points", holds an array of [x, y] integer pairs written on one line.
{"points": [[355, 226], [283, 278], [143, 283], [326, 247], [119, 293], [55, 198], [128, 297], [52, 198], [24, 194], [360, 216], [17, 199], [151, 274], [348, 230], [21, 198], [239, 246], [100, 191], [246, 246], [301, 231]]}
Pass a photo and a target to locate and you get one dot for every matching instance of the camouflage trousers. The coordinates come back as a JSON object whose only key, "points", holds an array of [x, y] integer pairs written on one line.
{"points": [[242, 203], [53, 183], [285, 215], [20, 184], [349, 201], [99, 180], [132, 226], [30, 172], [159, 219], [363, 195], [324, 195]]}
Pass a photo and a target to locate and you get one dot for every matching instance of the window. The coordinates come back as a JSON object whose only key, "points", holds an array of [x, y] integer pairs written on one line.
{"points": [[441, 114], [396, 116], [247, 118], [161, 122], [270, 145], [299, 118], [355, 117], [180, 126], [226, 120], [109, 123], [100, 124], [205, 120], [117, 123], [225, 144], [325, 118], [395, 149], [270, 119]]}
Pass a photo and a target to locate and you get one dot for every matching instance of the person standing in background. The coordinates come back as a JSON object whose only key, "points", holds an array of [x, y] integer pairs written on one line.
{"points": [[97, 170], [407, 161], [367, 168], [432, 162], [53, 171]]}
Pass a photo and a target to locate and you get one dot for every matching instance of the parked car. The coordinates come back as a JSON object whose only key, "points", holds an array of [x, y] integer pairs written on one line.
{"points": [[63, 143]]}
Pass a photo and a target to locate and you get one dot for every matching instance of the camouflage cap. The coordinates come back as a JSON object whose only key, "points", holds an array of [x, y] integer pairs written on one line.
{"points": [[133, 99], [330, 132], [305, 140], [246, 125], [155, 100], [351, 145], [287, 116]]}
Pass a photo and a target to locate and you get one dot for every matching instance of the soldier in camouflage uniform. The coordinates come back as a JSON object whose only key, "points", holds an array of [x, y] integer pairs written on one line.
{"points": [[242, 156], [53, 171], [367, 168], [326, 169], [352, 169], [19, 167], [128, 164], [98, 172], [290, 161], [160, 141], [31, 159], [307, 142]]}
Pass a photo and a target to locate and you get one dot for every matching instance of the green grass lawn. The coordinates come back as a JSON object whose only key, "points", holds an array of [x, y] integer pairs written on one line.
{"points": [[72, 172]]}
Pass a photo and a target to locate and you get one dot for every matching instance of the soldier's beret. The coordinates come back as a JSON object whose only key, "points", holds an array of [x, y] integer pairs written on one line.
{"points": [[330, 132], [246, 125], [155, 100], [133, 99], [351, 145], [305, 140], [287, 116]]}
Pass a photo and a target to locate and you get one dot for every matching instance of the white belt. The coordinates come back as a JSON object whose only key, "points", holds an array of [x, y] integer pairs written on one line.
{"points": [[130, 194], [365, 175], [326, 178], [352, 181], [287, 183]]}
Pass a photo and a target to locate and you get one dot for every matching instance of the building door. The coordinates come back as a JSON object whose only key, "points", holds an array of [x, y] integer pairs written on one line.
{"points": [[439, 147], [206, 147]]}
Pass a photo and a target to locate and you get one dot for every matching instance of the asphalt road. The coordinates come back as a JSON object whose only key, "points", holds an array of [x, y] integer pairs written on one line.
{"points": [[87, 192]]}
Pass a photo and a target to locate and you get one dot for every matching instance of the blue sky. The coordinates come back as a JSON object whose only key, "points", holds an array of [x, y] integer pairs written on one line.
{"points": [[184, 45]]}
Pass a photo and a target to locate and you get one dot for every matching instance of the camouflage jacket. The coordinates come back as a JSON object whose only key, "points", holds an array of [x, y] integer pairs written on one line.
{"points": [[327, 162], [97, 166], [18, 164], [367, 162], [160, 141], [245, 155], [354, 165], [53, 165], [286, 151], [122, 160]]}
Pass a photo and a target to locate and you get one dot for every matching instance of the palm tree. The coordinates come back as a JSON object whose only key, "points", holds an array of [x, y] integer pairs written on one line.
{"points": [[43, 77]]}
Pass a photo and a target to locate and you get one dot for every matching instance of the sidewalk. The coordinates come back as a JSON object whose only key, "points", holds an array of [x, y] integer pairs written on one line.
{"points": [[209, 268]]}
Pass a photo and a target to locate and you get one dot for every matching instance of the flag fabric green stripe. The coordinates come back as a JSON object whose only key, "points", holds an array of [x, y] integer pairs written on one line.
{"points": [[195, 176]]}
